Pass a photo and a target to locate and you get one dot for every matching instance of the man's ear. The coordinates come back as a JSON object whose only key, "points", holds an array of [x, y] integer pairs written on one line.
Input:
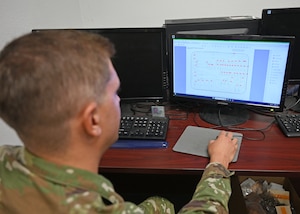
{"points": [[91, 119]]}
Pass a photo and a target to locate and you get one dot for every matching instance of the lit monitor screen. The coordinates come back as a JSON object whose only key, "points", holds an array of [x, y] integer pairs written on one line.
{"points": [[231, 71], [284, 21]]}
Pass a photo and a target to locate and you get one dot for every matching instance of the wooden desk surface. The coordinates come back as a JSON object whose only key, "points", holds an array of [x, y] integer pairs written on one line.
{"points": [[275, 155]]}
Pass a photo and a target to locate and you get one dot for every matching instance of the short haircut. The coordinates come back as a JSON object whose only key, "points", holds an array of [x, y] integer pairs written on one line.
{"points": [[47, 76]]}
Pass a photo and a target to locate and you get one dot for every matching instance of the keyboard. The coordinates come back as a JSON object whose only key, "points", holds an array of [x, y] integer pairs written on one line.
{"points": [[143, 127], [289, 124]]}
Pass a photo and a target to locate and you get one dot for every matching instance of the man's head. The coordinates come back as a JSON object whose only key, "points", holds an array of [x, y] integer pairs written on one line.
{"points": [[46, 79]]}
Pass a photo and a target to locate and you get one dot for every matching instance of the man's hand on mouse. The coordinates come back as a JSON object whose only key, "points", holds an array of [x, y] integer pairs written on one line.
{"points": [[223, 148]]}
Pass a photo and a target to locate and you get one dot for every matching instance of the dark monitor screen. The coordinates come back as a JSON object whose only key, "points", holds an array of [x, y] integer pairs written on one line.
{"points": [[284, 21], [139, 62], [236, 70]]}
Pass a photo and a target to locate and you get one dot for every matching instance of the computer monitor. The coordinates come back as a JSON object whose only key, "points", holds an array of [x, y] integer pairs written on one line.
{"points": [[229, 73], [284, 21], [139, 61]]}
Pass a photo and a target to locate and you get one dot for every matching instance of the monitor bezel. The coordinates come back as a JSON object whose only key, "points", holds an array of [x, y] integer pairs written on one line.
{"points": [[164, 73], [294, 76], [161, 30], [203, 100]]}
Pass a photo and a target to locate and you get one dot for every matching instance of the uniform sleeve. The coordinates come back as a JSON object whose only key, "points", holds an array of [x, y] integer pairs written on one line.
{"points": [[212, 192], [157, 205]]}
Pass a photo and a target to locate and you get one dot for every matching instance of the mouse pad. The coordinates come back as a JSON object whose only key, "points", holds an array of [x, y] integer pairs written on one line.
{"points": [[194, 140]]}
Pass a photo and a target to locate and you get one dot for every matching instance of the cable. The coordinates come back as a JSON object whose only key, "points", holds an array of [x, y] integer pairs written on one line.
{"points": [[244, 129], [261, 131]]}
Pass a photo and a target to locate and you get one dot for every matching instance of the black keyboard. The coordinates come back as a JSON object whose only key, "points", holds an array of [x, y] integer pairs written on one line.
{"points": [[289, 124], [143, 127]]}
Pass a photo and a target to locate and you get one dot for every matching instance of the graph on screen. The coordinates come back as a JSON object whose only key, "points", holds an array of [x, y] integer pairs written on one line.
{"points": [[219, 71]]}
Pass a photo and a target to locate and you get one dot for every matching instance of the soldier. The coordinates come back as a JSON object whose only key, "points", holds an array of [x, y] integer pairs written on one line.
{"points": [[59, 93]]}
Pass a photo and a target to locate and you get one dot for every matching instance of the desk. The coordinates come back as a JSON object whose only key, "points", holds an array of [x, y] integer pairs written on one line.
{"points": [[276, 155]]}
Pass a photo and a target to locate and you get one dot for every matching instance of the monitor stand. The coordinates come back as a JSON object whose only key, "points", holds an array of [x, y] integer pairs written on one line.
{"points": [[224, 115]]}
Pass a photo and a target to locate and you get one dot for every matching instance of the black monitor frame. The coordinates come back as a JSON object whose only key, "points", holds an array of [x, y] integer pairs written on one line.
{"points": [[284, 22], [140, 61], [143, 77]]}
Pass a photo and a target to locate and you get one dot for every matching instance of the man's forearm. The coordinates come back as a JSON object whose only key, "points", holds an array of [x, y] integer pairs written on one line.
{"points": [[212, 192]]}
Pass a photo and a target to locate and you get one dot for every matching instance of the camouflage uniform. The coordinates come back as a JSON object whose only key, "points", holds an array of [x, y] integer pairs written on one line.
{"points": [[32, 185], [212, 192]]}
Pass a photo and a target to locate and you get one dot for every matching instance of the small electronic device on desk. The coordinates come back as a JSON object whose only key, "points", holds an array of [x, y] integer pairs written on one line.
{"points": [[289, 124]]}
